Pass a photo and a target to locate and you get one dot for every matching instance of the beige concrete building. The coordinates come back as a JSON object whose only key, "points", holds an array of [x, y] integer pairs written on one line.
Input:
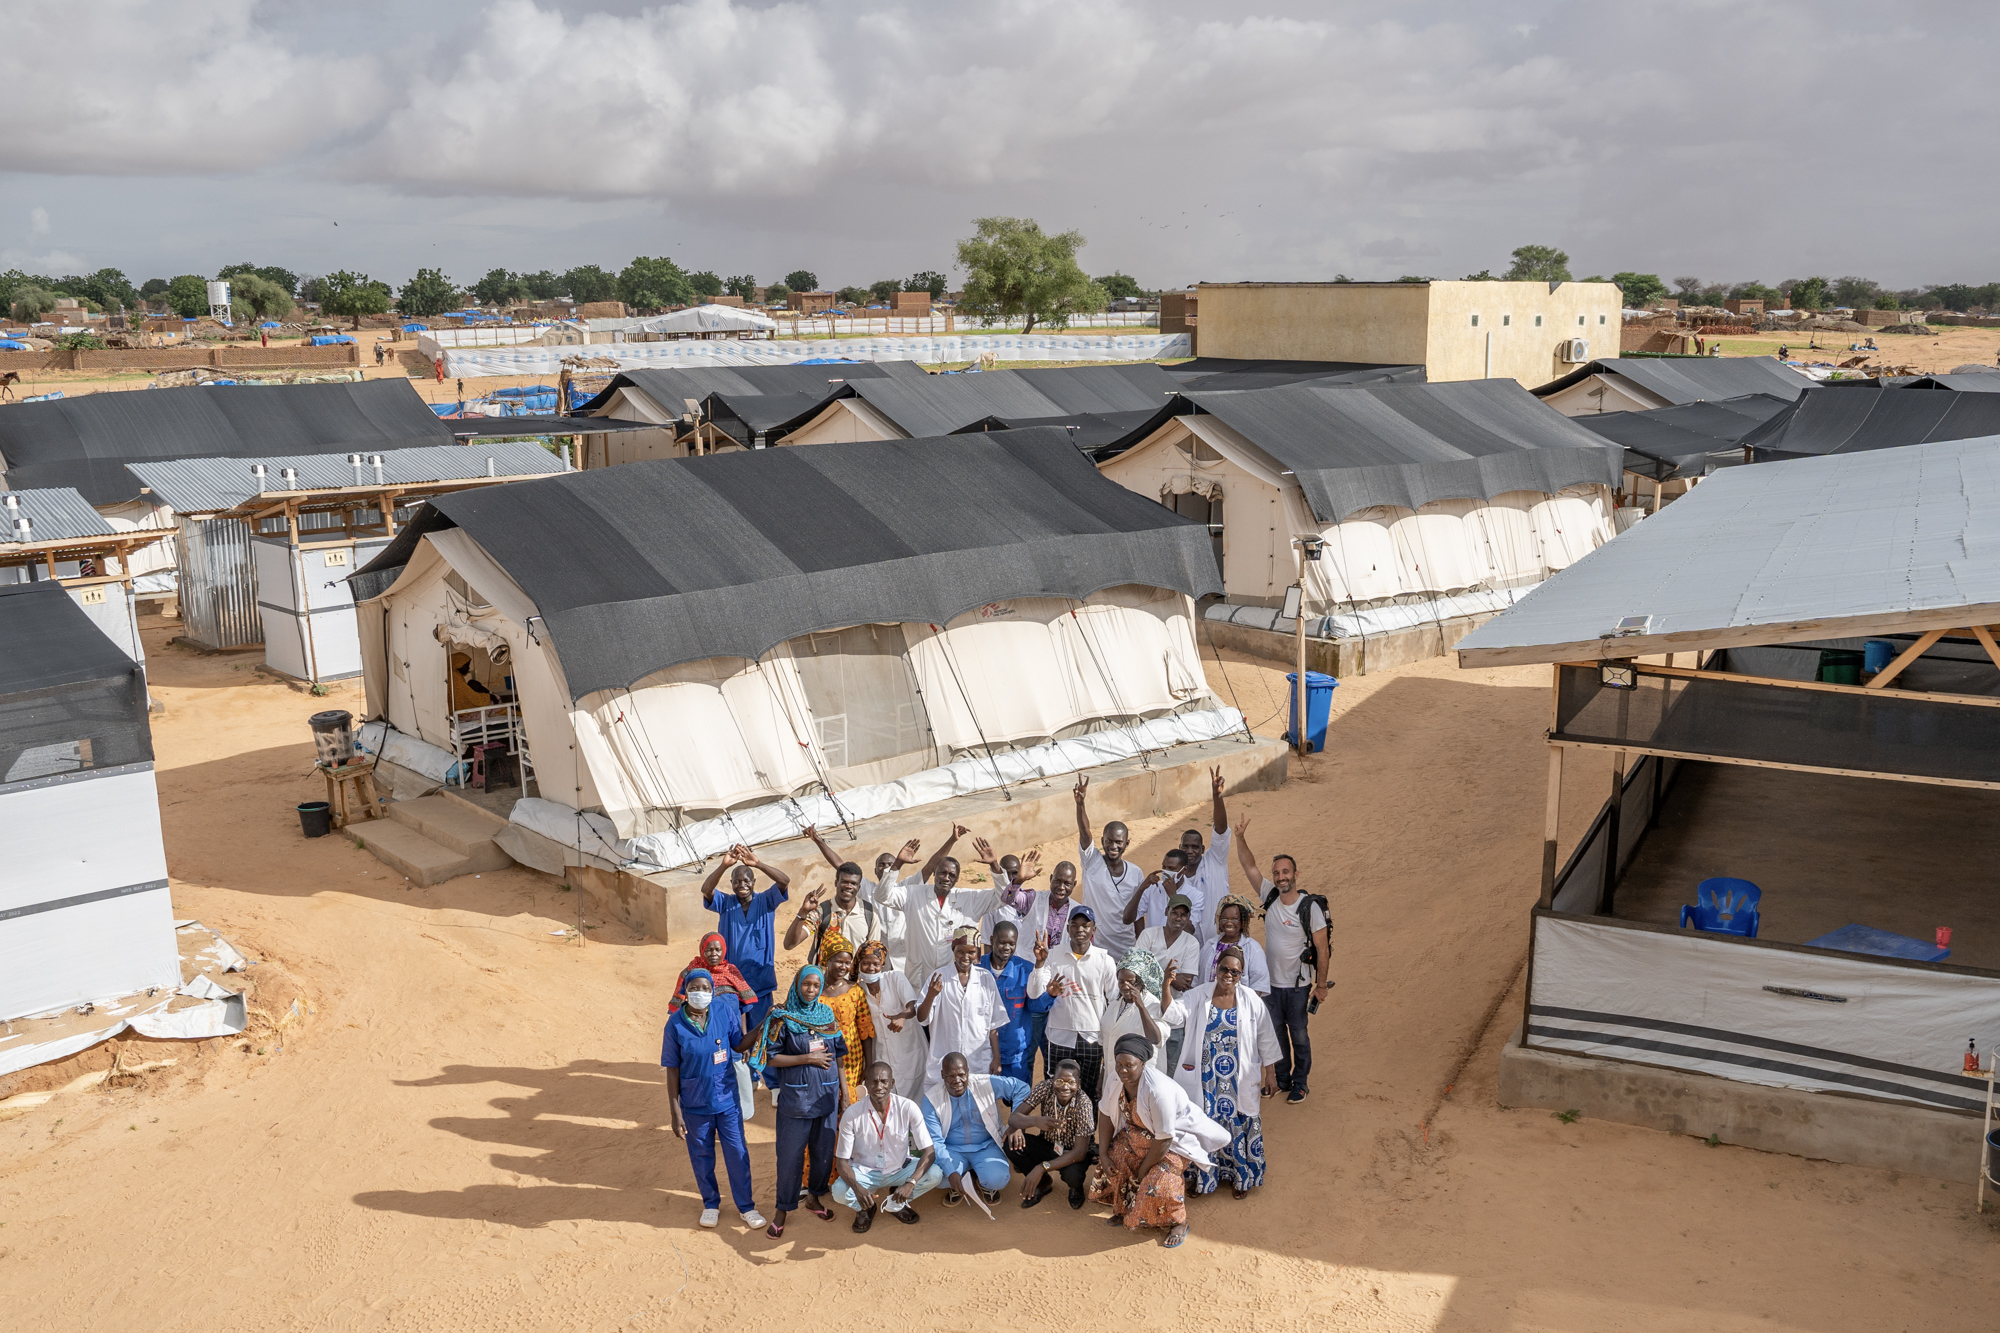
{"points": [[1524, 331]]}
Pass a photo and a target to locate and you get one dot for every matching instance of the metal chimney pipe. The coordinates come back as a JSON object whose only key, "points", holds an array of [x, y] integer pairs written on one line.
{"points": [[489, 469], [290, 478], [354, 461], [13, 502], [375, 461]]}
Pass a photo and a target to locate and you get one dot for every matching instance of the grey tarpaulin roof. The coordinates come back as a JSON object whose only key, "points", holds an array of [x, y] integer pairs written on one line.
{"points": [[1215, 372], [1686, 441], [1870, 543], [639, 567], [1851, 419], [1984, 380], [1355, 446], [210, 485], [53, 515], [1092, 431], [941, 404], [1693, 379], [470, 428], [47, 640], [761, 397], [86, 442]]}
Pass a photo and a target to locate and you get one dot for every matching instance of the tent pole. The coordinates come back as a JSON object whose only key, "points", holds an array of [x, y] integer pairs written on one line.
{"points": [[1550, 825], [1301, 727], [1607, 898]]}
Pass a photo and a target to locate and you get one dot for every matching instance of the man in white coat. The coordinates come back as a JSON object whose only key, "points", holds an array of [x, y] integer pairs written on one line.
{"points": [[963, 1008]]}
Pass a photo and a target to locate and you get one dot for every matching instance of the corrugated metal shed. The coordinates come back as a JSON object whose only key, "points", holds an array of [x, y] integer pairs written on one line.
{"points": [[53, 515], [1872, 543], [213, 485]]}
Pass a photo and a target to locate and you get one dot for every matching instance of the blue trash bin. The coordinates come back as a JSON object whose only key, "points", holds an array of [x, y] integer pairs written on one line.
{"points": [[1319, 702], [1878, 653]]}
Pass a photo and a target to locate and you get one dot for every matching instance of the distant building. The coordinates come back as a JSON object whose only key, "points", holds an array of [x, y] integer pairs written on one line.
{"points": [[1526, 331], [1178, 311], [909, 303], [1744, 307], [809, 303]]}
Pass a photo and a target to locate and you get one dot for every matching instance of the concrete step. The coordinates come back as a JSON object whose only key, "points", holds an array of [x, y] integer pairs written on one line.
{"points": [[457, 825], [409, 852]]}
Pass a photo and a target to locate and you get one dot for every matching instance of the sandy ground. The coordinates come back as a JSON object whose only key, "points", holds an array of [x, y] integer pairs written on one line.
{"points": [[468, 1130], [1942, 352]]}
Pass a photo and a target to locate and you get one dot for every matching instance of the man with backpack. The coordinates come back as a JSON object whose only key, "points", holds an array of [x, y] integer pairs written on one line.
{"points": [[1295, 947], [851, 913]]}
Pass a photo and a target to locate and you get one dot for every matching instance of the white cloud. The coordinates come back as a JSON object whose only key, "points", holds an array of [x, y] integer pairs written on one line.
{"points": [[38, 221]]}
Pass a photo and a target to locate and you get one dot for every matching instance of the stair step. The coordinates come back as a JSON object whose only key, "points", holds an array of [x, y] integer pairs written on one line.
{"points": [[464, 828], [409, 852]]}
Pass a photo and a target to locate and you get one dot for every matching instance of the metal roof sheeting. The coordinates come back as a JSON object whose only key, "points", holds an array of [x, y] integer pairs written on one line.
{"points": [[53, 515], [212, 485], [1869, 543], [1353, 447], [86, 442], [1694, 379]]}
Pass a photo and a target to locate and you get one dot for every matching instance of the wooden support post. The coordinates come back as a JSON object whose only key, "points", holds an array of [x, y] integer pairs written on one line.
{"points": [[1551, 826], [1909, 655], [1985, 637]]}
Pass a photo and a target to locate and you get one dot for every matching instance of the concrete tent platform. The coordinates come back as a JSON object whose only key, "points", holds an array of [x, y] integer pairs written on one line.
{"points": [[1341, 658], [668, 906]]}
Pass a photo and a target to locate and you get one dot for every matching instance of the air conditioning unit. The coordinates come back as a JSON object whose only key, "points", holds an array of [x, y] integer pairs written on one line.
{"points": [[1574, 351]]}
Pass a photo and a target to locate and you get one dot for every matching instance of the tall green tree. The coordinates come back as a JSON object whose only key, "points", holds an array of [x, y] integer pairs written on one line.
{"points": [[353, 294], [883, 290], [857, 295], [1753, 291], [648, 284], [802, 280], [543, 286], [704, 283], [429, 293], [776, 293], [926, 280], [588, 284], [499, 287], [29, 303], [109, 289], [1640, 289], [743, 285], [284, 277], [153, 289], [257, 297], [1539, 263], [187, 295], [1119, 286], [1810, 293], [1015, 270]]}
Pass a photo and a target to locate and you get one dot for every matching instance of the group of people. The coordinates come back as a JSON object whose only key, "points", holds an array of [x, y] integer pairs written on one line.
{"points": [[903, 1058]]}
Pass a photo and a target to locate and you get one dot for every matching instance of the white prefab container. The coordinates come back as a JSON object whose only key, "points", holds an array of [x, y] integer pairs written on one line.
{"points": [[307, 606]]}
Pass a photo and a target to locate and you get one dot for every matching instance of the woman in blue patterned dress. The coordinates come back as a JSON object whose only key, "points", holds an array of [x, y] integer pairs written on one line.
{"points": [[1228, 1072]]}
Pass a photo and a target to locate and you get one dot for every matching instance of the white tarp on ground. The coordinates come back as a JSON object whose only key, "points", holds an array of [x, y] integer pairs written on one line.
{"points": [[200, 1007], [469, 362], [1824, 1023], [594, 836]]}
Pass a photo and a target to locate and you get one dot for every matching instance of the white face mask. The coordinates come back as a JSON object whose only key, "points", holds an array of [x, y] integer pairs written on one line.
{"points": [[698, 999], [871, 977]]}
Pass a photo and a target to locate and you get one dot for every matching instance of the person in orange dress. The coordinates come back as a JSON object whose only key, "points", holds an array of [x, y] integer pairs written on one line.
{"points": [[850, 1007]]}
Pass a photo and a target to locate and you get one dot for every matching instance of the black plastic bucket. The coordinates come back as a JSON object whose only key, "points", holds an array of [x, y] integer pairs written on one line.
{"points": [[315, 818], [1993, 1158]]}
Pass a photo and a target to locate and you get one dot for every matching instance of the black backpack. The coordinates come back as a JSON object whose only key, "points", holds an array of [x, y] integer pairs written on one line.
{"points": [[826, 920], [1308, 956]]}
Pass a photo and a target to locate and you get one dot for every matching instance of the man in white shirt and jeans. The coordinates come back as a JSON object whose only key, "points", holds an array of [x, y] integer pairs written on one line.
{"points": [[883, 1152], [1083, 978], [1292, 924]]}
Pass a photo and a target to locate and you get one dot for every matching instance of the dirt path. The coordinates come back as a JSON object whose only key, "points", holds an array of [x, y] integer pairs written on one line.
{"points": [[468, 1132]]}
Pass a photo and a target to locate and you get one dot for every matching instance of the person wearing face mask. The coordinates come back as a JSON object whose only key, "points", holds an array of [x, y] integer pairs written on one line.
{"points": [[699, 1049], [963, 1010], [1083, 978], [935, 911], [900, 1040], [1148, 906]]}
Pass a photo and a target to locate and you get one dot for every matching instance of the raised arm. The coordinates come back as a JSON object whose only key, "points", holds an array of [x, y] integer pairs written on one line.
{"points": [[727, 860], [982, 852], [1245, 857], [1132, 904], [1082, 793], [795, 934], [756, 862], [833, 858], [1221, 811], [937, 857]]}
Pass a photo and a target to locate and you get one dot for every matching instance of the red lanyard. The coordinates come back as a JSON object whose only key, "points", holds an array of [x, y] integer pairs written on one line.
{"points": [[882, 1130]]}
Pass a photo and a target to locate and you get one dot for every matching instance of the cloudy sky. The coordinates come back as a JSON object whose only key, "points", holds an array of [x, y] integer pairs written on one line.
{"points": [[1732, 140]]}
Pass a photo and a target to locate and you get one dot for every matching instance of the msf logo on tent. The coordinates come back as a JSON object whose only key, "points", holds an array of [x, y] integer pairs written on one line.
{"points": [[995, 610]]}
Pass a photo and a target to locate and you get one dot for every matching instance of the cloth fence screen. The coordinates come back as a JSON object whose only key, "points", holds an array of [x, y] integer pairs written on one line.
{"points": [[1890, 733], [74, 728]]}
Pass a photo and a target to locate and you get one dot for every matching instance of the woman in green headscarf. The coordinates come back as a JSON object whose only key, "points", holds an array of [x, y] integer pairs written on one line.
{"points": [[798, 1053], [1142, 981]]}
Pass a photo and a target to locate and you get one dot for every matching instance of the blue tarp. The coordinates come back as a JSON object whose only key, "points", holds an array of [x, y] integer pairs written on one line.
{"points": [[270, 324], [10, 345], [525, 391], [416, 328], [445, 409], [826, 361], [327, 341]]}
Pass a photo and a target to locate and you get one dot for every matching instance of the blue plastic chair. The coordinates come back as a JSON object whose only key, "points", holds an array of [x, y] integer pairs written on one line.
{"points": [[1725, 907]]}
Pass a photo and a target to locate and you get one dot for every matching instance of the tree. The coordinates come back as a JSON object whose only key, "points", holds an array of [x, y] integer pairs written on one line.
{"points": [[855, 295], [589, 284], [187, 295], [429, 293], [354, 294], [1014, 269], [924, 280], [883, 290], [312, 289], [259, 297], [1747, 291], [776, 293], [283, 277], [1809, 293], [704, 283], [81, 341], [543, 286], [1641, 289], [742, 285], [1539, 263], [499, 287], [801, 280], [1484, 275], [649, 284], [1119, 286], [29, 303], [153, 289], [109, 289]]}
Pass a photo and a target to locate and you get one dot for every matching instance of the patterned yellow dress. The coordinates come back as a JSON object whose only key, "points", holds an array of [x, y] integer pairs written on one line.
{"points": [[850, 1009]]}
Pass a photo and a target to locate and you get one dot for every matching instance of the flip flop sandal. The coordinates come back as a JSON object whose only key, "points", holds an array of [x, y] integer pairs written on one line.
{"points": [[1174, 1239], [776, 1231], [821, 1211]]}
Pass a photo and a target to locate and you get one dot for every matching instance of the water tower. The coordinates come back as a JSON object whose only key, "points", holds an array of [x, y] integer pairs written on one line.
{"points": [[218, 301]]}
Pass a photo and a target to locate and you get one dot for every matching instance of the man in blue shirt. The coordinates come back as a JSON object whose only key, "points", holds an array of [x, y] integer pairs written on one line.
{"points": [[966, 1125], [1010, 973], [699, 1051], [746, 920]]}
